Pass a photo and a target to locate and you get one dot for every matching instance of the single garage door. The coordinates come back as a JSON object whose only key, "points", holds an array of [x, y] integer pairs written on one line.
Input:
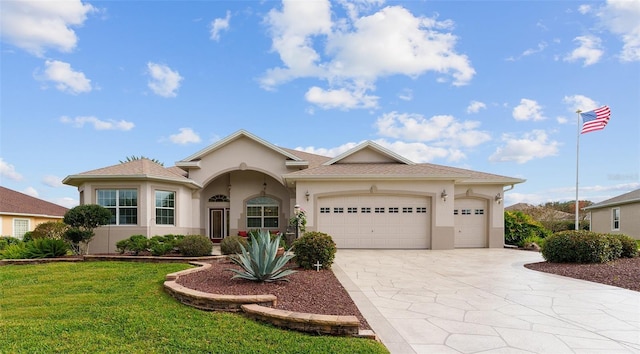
{"points": [[376, 221], [470, 217]]}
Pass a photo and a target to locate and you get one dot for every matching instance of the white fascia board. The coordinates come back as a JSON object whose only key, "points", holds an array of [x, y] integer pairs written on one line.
{"points": [[188, 164]]}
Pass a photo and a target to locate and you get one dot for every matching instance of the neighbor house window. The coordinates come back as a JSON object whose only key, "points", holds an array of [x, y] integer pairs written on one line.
{"points": [[615, 219], [262, 212], [165, 208], [20, 227], [122, 203]]}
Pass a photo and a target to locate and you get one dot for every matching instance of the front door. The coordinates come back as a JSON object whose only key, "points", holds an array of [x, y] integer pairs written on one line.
{"points": [[217, 229]]}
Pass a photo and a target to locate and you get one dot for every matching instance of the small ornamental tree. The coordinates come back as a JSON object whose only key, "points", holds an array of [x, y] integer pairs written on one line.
{"points": [[82, 220], [50, 229]]}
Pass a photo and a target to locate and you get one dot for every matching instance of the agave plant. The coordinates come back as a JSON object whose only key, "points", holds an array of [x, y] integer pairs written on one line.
{"points": [[259, 260]]}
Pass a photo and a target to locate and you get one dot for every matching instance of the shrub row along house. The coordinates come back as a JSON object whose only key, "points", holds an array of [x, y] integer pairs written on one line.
{"points": [[367, 197], [20, 213]]}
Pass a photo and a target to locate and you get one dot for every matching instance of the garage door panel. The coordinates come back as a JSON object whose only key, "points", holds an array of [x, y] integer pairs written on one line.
{"points": [[381, 221], [470, 218]]}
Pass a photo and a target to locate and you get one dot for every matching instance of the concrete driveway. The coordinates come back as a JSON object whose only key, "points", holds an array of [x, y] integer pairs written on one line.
{"points": [[484, 300]]}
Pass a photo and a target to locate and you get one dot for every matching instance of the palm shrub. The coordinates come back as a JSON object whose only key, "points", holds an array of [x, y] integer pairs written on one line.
{"points": [[6, 241], [195, 246], [314, 247], [260, 262], [14, 251], [231, 244], [45, 248]]}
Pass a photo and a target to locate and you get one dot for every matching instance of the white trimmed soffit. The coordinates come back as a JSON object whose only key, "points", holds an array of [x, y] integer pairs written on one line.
{"points": [[504, 181], [71, 180], [294, 178], [374, 146], [240, 133], [25, 215]]}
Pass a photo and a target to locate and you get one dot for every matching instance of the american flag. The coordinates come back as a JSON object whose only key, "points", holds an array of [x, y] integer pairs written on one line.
{"points": [[595, 120]]}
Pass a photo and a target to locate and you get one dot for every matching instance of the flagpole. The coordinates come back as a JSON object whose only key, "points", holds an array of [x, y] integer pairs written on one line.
{"points": [[577, 221]]}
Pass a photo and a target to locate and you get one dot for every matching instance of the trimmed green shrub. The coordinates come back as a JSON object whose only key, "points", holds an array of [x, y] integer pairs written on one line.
{"points": [[231, 244], [45, 248], [260, 261], [6, 241], [28, 236], [161, 245], [135, 244], [50, 229], [581, 247], [629, 245], [518, 226], [314, 247], [195, 246]]}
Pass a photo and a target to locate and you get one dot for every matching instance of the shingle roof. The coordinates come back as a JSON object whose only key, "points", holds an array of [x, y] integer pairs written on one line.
{"points": [[391, 170], [12, 202], [631, 197], [313, 159], [142, 169]]}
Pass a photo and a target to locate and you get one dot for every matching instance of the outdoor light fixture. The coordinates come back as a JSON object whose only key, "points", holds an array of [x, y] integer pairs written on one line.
{"points": [[444, 195], [498, 198], [306, 194]]}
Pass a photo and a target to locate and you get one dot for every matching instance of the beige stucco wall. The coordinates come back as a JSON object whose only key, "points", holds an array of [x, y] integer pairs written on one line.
{"points": [[601, 220], [6, 222]]}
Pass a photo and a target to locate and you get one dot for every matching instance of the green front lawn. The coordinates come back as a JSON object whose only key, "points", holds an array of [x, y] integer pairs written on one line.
{"points": [[120, 307]]}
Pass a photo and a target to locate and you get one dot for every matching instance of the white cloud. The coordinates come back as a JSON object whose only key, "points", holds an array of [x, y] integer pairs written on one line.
{"points": [[534, 145], [340, 98], [589, 50], [66, 202], [579, 102], [331, 152], [66, 79], [475, 107], [52, 181], [584, 9], [186, 136], [621, 17], [98, 124], [528, 110], [562, 120], [164, 81], [31, 191], [218, 25], [406, 95], [530, 51], [360, 49], [446, 136], [9, 171], [37, 25]]}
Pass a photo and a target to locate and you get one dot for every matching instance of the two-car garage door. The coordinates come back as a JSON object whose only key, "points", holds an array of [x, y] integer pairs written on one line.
{"points": [[376, 221]]}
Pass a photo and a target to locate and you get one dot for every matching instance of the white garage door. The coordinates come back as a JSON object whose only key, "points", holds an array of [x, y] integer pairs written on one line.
{"points": [[376, 221], [470, 217]]}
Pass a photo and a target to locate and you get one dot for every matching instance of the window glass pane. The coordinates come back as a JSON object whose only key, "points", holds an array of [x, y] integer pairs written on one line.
{"points": [[164, 216], [254, 222], [270, 222], [270, 211], [128, 197], [165, 199], [106, 197], [20, 227], [112, 221], [128, 216], [254, 211]]}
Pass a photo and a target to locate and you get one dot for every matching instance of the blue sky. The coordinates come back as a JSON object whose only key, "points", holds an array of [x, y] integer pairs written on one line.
{"points": [[489, 86]]}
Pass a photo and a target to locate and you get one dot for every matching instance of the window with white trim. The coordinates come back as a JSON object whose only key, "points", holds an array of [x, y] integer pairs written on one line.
{"points": [[20, 227], [263, 212], [421, 210], [165, 207], [365, 210], [338, 210], [407, 210], [352, 210], [393, 210], [122, 203], [325, 210], [615, 219]]}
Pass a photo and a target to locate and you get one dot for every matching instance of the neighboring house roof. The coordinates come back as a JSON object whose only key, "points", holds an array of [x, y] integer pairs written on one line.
{"points": [[16, 203], [519, 207], [627, 198], [142, 169]]}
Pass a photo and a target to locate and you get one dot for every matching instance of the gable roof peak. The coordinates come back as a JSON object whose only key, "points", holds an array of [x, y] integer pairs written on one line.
{"points": [[368, 144]]}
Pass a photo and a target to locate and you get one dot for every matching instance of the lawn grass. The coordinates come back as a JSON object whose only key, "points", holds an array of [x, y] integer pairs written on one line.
{"points": [[118, 307]]}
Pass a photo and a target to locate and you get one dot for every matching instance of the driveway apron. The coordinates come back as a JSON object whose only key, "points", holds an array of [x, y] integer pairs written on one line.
{"points": [[485, 301]]}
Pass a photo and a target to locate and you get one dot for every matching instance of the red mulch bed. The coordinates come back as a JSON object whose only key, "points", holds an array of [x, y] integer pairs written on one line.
{"points": [[623, 273], [307, 291]]}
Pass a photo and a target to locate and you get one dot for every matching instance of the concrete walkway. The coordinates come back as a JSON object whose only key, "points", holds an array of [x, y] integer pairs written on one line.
{"points": [[485, 301]]}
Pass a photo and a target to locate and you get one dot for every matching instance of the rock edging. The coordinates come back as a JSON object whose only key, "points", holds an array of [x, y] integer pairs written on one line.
{"points": [[261, 307]]}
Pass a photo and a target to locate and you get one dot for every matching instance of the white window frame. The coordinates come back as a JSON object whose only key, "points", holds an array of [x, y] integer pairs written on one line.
{"points": [[615, 212], [117, 207], [263, 203], [14, 231], [162, 207]]}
